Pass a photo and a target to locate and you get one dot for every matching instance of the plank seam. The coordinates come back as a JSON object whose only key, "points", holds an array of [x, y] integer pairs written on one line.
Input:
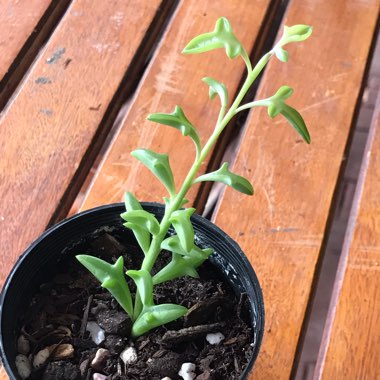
{"points": [[126, 88], [333, 207], [30, 50], [343, 261]]}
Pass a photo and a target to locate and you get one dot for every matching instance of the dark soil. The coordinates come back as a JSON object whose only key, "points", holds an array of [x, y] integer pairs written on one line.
{"points": [[59, 313]]}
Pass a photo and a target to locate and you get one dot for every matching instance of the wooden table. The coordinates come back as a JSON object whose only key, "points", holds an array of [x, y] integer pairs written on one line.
{"points": [[67, 68]]}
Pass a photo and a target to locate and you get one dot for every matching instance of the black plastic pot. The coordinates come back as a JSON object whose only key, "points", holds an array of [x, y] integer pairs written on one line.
{"points": [[41, 259]]}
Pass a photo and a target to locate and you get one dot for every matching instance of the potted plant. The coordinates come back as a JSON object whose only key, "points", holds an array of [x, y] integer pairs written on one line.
{"points": [[162, 310]]}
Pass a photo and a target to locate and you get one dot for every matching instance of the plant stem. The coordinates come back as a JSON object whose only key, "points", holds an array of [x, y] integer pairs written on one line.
{"points": [[155, 246]]}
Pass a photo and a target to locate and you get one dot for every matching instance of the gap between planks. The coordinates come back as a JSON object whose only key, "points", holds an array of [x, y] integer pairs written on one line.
{"points": [[29, 51], [109, 125], [321, 270]]}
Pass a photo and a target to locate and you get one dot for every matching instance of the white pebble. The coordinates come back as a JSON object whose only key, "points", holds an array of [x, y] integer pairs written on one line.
{"points": [[99, 376], [187, 371], [23, 345], [166, 378], [23, 366], [96, 332], [41, 357], [129, 355], [100, 358], [215, 338]]}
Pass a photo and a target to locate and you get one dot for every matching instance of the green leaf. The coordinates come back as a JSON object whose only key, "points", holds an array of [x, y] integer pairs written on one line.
{"points": [[297, 122], [221, 37], [281, 54], [179, 266], [131, 203], [182, 263], [111, 278], [178, 120], [159, 165], [141, 233], [296, 33], [217, 88], [144, 284], [284, 92], [277, 106], [224, 175], [155, 316], [173, 244], [142, 218], [151, 315], [183, 226]]}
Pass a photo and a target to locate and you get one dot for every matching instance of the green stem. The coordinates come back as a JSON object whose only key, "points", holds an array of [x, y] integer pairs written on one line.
{"points": [[175, 203]]}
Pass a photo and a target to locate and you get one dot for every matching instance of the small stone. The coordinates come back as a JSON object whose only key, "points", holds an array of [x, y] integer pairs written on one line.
{"points": [[63, 351], [99, 376], [187, 371], [24, 368], [166, 378], [204, 376], [96, 332], [115, 322], [83, 367], [41, 357], [100, 359], [129, 355], [23, 345], [61, 370], [215, 338]]}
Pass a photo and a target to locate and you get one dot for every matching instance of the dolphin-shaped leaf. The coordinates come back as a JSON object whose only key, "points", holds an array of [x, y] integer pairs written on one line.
{"points": [[178, 120], [183, 226], [224, 175], [111, 278], [142, 218], [221, 37], [159, 165], [217, 88], [141, 233]]}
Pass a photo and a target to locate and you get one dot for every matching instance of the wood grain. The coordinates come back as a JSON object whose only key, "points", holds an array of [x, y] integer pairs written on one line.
{"points": [[282, 227], [24, 28], [48, 130], [171, 79], [18, 20], [351, 342]]}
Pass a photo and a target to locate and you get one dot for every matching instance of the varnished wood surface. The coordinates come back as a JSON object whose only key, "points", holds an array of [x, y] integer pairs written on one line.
{"points": [[351, 343], [49, 127], [18, 20], [282, 227], [174, 79], [53, 122], [25, 26]]}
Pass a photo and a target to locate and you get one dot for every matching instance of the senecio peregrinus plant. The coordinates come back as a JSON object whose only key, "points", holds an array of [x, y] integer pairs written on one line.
{"points": [[150, 234]]}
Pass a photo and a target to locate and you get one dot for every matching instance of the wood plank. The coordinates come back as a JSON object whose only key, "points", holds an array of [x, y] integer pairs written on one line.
{"points": [[18, 20], [171, 79], [351, 341], [282, 227], [24, 27], [49, 132]]}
